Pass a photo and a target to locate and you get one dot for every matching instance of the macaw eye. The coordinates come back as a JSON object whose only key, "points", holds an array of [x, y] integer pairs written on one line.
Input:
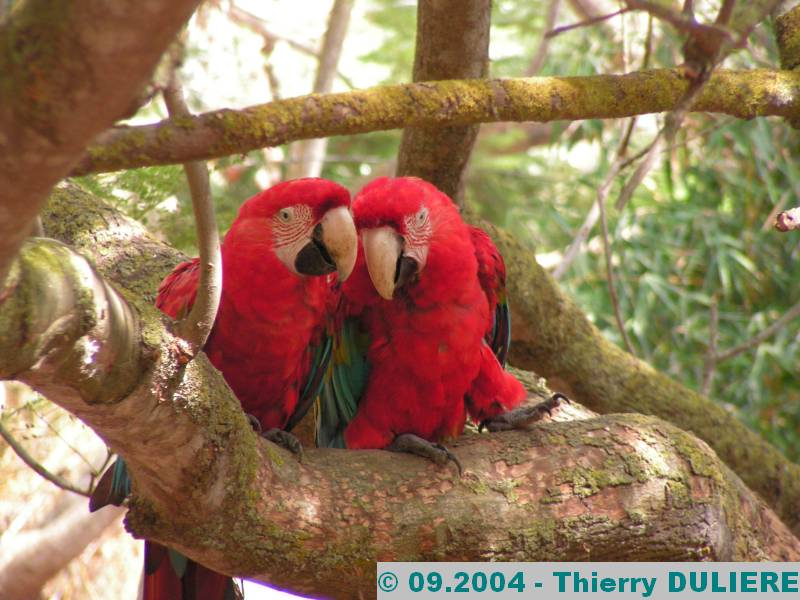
{"points": [[286, 214], [422, 215]]}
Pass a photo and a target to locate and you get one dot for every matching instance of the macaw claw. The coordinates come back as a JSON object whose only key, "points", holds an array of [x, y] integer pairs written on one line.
{"points": [[285, 440], [524, 415], [413, 444]]}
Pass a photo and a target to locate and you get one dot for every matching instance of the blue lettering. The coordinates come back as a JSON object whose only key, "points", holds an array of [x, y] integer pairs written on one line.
{"points": [[562, 583], [607, 584], [677, 581], [789, 581], [698, 581], [768, 579], [749, 581]]}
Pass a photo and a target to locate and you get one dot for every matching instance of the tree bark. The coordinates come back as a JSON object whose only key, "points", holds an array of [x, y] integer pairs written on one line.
{"points": [[70, 69], [452, 43], [744, 94], [604, 488]]}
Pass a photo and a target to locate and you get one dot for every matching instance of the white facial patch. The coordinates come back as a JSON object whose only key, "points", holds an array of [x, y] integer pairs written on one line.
{"points": [[419, 230], [291, 230]]}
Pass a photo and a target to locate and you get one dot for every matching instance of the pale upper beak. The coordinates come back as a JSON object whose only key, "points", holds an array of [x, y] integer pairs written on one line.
{"points": [[388, 267], [340, 238], [333, 246]]}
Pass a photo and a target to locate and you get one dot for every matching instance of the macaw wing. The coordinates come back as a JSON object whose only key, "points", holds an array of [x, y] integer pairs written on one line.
{"points": [[320, 362], [492, 277], [344, 383], [177, 292]]}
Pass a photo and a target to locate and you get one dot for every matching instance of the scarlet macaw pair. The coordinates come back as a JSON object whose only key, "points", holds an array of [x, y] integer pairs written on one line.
{"points": [[408, 341]]}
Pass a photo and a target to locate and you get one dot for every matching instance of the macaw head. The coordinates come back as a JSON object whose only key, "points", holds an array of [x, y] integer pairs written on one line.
{"points": [[306, 222], [405, 223]]}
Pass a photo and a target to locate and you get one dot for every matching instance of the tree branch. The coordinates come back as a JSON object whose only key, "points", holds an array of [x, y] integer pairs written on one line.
{"points": [[54, 101], [34, 464], [553, 337], [614, 488], [452, 43], [309, 154], [41, 553], [196, 327], [744, 94]]}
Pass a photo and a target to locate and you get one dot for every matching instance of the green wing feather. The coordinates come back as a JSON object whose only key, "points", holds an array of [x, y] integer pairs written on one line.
{"points": [[316, 375], [343, 384], [500, 337]]}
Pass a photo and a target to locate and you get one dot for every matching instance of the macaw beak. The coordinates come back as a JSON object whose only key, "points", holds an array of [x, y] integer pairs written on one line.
{"points": [[388, 267], [333, 246]]}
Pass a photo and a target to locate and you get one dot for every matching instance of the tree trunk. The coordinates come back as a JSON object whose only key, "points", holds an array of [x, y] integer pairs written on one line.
{"points": [[452, 43]]}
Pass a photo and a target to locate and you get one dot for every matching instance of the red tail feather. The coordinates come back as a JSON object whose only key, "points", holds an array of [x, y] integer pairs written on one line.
{"points": [[161, 582]]}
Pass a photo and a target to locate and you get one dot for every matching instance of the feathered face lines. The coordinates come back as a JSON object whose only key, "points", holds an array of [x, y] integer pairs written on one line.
{"points": [[397, 219], [307, 223]]}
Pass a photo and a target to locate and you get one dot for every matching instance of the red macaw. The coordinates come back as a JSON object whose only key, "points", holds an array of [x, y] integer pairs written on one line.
{"points": [[423, 328], [269, 338]]}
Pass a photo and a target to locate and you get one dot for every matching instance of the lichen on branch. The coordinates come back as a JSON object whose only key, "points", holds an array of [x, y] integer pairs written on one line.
{"points": [[744, 94]]}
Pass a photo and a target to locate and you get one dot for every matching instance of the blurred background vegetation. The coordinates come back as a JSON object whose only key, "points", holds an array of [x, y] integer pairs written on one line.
{"points": [[696, 233]]}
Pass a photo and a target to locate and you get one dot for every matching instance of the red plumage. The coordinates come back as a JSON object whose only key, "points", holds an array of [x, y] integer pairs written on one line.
{"points": [[430, 366], [268, 320], [268, 317]]}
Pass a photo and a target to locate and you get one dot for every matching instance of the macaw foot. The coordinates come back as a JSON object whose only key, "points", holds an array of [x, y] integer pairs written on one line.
{"points": [[285, 440], [525, 415], [413, 444]]}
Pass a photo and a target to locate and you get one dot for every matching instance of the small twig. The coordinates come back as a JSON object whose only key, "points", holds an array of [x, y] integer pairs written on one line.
{"points": [[787, 318], [57, 433], [602, 193], [711, 354], [23, 454], [537, 62], [196, 327], [256, 25], [680, 21], [612, 292], [586, 23]]}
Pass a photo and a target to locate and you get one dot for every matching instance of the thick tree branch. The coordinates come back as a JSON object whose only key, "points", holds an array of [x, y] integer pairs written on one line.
{"points": [[452, 43], [615, 487], [554, 338], [70, 69], [745, 94]]}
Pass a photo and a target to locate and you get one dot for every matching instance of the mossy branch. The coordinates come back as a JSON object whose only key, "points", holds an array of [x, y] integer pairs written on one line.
{"points": [[607, 488], [70, 70], [744, 94], [553, 337]]}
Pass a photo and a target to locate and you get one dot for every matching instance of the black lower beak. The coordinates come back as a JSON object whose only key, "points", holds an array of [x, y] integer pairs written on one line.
{"points": [[405, 271], [314, 258]]}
